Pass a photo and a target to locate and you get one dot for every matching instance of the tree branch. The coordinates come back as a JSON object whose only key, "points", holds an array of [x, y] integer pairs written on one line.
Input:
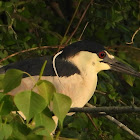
{"points": [[112, 119], [107, 110], [121, 125], [31, 49]]}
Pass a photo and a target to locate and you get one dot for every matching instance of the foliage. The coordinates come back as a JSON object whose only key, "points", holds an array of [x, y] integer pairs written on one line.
{"points": [[31, 106], [34, 23]]}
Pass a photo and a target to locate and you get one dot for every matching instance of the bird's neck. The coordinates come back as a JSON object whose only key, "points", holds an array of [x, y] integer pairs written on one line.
{"points": [[86, 85], [84, 62]]}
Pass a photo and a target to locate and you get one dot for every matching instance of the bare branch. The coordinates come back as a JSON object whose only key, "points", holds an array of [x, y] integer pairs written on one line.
{"points": [[31, 49], [100, 92], [107, 110], [118, 123], [121, 125]]}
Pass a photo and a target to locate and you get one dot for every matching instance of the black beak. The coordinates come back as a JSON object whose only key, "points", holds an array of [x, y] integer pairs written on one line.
{"points": [[121, 67]]}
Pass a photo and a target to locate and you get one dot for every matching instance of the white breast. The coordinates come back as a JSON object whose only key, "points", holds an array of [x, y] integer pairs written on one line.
{"points": [[79, 89]]}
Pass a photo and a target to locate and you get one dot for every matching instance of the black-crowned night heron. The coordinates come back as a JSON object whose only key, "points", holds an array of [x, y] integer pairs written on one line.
{"points": [[73, 71]]}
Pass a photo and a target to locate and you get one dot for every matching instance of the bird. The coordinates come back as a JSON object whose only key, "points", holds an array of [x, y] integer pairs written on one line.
{"points": [[73, 71]]}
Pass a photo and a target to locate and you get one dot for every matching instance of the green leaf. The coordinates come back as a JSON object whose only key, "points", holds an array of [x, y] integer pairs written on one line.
{"points": [[30, 103], [6, 104], [95, 99], [34, 137], [5, 131], [117, 137], [118, 18], [129, 79], [108, 25], [102, 100], [27, 38], [12, 79], [61, 106], [80, 122], [1, 81], [45, 120], [20, 130], [46, 89]]}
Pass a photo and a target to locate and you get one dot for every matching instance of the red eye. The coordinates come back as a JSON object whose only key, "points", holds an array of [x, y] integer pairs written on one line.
{"points": [[101, 54]]}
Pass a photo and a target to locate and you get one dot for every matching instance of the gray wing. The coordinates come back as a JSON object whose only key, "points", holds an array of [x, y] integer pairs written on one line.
{"points": [[33, 67]]}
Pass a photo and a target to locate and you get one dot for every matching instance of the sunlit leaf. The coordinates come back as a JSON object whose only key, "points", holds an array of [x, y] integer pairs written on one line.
{"points": [[61, 106], [46, 90], [45, 120], [12, 79], [30, 103]]}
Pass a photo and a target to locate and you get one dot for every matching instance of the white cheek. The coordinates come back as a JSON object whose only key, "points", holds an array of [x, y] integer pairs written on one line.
{"points": [[105, 66], [99, 66]]}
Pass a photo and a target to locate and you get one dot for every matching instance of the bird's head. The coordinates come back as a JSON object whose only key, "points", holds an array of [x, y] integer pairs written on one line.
{"points": [[90, 56]]}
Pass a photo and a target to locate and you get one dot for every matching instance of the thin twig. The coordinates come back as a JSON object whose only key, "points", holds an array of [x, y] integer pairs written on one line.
{"points": [[71, 21], [100, 92], [120, 46], [83, 15], [31, 49], [10, 26], [120, 101], [90, 118], [133, 36], [62, 41], [83, 31], [88, 115], [118, 123], [56, 7]]}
